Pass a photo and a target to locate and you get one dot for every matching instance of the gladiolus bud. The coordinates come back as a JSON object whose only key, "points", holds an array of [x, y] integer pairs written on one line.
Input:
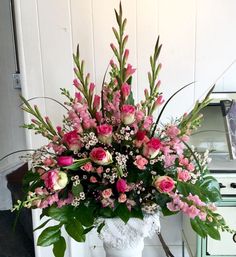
{"points": [[79, 97], [126, 54], [125, 89], [91, 87], [96, 102], [159, 101]]}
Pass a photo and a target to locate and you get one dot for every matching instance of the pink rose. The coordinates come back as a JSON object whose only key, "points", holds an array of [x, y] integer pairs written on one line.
{"points": [[55, 180], [140, 162], [164, 184], [87, 167], [125, 90], [100, 156], [72, 140], [122, 198], [183, 175], [121, 185], [152, 148], [127, 114], [105, 133], [107, 193], [64, 161]]}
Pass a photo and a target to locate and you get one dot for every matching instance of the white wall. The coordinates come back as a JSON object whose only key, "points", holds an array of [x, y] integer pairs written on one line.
{"points": [[198, 39]]}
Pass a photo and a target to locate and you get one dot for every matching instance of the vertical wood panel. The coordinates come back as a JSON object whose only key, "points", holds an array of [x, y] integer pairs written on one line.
{"points": [[147, 33], [82, 33], [56, 47], [177, 30], [216, 41]]}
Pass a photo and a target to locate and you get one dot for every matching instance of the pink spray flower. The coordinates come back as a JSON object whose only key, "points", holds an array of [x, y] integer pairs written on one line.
{"points": [[87, 167], [192, 212], [122, 198], [107, 193], [183, 175]]}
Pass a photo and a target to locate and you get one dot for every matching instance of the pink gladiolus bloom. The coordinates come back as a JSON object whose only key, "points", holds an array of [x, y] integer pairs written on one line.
{"points": [[125, 90], [139, 115], [140, 162], [148, 123], [121, 185], [173, 207], [152, 148], [183, 175], [202, 216], [159, 101], [164, 184], [79, 97], [100, 156], [192, 212], [64, 161], [196, 200], [129, 71], [72, 140], [128, 114], [172, 131]]}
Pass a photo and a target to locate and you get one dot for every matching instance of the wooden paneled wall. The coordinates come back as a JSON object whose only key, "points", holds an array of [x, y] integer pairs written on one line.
{"points": [[199, 42]]}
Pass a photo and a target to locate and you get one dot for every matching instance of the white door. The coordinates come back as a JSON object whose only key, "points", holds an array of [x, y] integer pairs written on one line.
{"points": [[12, 137]]}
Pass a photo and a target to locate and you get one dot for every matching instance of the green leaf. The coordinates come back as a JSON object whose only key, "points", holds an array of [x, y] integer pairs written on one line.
{"points": [[137, 213], [100, 227], [59, 247], [78, 164], [62, 214], [76, 190], [106, 212], [123, 212], [210, 188], [197, 227], [212, 231], [49, 236], [130, 99], [75, 229], [42, 225], [88, 229], [84, 215]]}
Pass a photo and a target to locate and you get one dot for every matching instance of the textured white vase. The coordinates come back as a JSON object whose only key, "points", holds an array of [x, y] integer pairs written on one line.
{"points": [[127, 240]]}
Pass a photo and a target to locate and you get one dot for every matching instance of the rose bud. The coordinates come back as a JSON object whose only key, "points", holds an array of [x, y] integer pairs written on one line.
{"points": [[164, 184], [152, 148], [125, 90], [100, 156], [105, 133], [121, 185], [127, 114], [55, 180], [64, 161]]}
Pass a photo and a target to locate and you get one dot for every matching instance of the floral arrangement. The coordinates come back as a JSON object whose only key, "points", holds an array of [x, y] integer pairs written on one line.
{"points": [[111, 159]]}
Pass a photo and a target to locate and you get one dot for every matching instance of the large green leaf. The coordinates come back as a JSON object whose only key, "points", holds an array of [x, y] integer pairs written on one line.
{"points": [[197, 227], [212, 231], [75, 229], [42, 225], [49, 236], [59, 247], [62, 214], [123, 212], [210, 188], [84, 215]]}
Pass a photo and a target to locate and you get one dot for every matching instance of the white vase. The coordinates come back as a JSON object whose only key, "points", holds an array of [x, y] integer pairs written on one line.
{"points": [[127, 240]]}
